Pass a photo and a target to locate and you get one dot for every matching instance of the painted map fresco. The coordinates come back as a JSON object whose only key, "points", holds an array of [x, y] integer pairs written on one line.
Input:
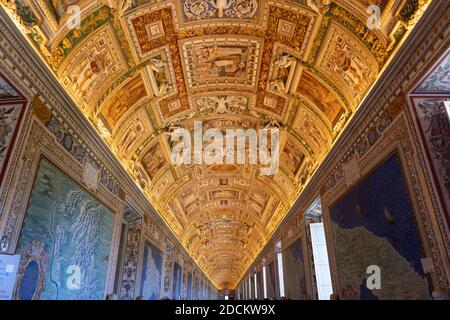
{"points": [[65, 241], [259, 280], [195, 289], [252, 284], [6, 91], [294, 271], [10, 116], [374, 225], [270, 278], [189, 286], [176, 281], [439, 80], [151, 272]]}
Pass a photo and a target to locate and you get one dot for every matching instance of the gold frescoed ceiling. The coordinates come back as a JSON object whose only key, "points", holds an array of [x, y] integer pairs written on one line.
{"points": [[139, 68]]}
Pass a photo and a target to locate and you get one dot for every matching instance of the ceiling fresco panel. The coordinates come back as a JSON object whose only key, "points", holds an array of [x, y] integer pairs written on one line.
{"points": [[320, 96], [132, 134], [93, 66], [123, 100], [348, 63], [154, 160], [310, 127], [221, 61]]}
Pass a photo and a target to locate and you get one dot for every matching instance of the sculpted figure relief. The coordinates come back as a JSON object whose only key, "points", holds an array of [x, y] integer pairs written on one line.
{"points": [[161, 85], [320, 6], [283, 71], [285, 61], [120, 6], [60, 7], [222, 105]]}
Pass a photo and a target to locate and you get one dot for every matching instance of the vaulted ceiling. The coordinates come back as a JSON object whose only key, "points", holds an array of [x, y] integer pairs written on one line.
{"points": [[139, 68]]}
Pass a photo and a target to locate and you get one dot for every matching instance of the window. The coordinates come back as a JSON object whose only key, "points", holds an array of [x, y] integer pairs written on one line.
{"points": [[245, 290], [313, 217], [447, 108], [256, 286], [280, 268], [321, 265], [265, 281]]}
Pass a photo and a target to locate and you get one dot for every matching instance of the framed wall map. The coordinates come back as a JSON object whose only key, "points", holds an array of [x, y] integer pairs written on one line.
{"points": [[152, 272], [294, 271], [374, 224], [65, 241], [12, 107]]}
